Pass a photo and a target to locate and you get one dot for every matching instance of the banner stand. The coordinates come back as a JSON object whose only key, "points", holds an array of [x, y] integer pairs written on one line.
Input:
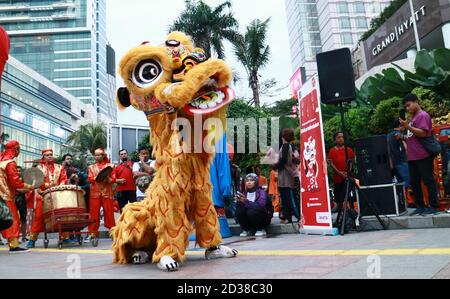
{"points": [[315, 195]]}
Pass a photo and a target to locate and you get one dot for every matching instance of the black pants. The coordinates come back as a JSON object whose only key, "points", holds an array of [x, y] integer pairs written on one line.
{"points": [[339, 194], [125, 197], [252, 219], [423, 171], [289, 205]]}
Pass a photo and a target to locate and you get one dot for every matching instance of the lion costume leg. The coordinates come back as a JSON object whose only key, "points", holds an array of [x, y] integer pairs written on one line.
{"points": [[173, 227], [134, 232]]}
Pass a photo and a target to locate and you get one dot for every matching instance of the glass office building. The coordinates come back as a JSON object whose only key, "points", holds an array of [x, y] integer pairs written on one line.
{"points": [[66, 42], [304, 34], [36, 112]]}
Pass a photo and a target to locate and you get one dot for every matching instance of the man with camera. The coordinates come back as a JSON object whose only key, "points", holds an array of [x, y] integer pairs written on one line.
{"points": [[143, 172]]}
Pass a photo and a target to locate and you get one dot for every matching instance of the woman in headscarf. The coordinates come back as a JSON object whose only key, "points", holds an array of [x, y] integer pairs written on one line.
{"points": [[254, 211]]}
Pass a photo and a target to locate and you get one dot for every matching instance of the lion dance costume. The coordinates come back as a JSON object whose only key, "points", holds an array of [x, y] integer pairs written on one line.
{"points": [[175, 86]]}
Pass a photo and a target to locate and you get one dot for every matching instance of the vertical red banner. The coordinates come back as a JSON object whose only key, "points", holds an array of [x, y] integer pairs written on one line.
{"points": [[297, 81], [315, 207]]}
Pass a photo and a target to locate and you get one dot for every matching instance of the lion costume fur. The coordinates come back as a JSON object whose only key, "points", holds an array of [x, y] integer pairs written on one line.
{"points": [[180, 197]]}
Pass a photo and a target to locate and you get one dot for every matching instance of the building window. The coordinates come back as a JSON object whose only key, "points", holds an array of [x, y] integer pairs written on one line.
{"points": [[344, 23], [361, 23], [342, 7], [346, 39], [83, 113], [359, 7]]}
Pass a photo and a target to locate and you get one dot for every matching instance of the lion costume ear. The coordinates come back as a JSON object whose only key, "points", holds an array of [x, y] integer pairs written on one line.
{"points": [[184, 39], [123, 98]]}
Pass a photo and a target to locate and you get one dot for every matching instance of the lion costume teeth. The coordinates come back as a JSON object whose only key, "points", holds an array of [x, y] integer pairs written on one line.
{"points": [[167, 82]]}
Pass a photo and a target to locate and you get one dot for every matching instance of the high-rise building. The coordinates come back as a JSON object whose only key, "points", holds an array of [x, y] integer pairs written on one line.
{"points": [[304, 34], [65, 41], [324, 25], [37, 112]]}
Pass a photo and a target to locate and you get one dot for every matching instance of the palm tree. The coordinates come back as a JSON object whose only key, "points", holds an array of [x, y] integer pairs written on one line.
{"points": [[88, 138], [208, 26], [254, 54]]}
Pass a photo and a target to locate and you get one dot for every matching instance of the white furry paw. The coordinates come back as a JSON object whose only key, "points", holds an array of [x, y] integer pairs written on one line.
{"points": [[168, 264], [140, 258], [220, 252]]}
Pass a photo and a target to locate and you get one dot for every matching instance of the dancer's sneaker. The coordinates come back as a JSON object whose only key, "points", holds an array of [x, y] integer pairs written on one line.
{"points": [[418, 211], [261, 233], [18, 250], [220, 252], [244, 234]]}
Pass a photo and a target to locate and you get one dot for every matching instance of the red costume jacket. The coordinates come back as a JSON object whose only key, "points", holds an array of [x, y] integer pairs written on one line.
{"points": [[10, 180], [105, 189], [55, 175]]}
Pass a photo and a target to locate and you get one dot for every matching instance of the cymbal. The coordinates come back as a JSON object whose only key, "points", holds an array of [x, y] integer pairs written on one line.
{"points": [[33, 176], [104, 174]]}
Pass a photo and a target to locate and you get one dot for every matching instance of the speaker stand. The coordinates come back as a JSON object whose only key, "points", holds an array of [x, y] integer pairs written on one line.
{"points": [[351, 181]]}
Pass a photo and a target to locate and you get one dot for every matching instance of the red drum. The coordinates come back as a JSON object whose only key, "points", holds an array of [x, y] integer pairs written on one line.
{"points": [[63, 204]]}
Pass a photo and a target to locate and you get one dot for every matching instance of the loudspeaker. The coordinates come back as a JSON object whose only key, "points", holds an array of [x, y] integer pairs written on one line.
{"points": [[336, 77], [388, 200], [372, 161]]}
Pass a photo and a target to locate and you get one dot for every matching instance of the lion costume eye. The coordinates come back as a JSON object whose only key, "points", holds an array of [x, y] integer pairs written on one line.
{"points": [[147, 72]]}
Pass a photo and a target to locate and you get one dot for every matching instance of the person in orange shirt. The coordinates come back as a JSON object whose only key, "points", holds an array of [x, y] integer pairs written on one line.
{"points": [[54, 175], [262, 181], [10, 182], [273, 189], [102, 194]]}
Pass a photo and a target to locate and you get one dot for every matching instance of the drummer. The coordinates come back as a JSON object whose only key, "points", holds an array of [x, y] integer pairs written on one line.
{"points": [[10, 182], [54, 175], [101, 193]]}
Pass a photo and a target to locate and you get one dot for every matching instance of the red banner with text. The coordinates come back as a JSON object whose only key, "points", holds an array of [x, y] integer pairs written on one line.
{"points": [[315, 204]]}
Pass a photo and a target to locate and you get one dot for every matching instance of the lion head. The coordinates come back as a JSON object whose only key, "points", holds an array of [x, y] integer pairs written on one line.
{"points": [[174, 76]]}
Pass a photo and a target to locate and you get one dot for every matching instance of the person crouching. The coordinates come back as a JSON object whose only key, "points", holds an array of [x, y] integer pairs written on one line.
{"points": [[254, 212]]}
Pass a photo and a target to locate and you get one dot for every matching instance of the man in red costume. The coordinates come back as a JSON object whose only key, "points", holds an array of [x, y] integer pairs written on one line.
{"points": [[102, 194], [55, 175], [10, 182]]}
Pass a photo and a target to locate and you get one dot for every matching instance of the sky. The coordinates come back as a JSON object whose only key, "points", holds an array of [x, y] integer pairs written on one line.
{"points": [[131, 22]]}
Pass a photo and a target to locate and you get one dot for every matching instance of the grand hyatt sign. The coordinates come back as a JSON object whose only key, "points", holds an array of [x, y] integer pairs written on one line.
{"points": [[396, 35], [398, 31]]}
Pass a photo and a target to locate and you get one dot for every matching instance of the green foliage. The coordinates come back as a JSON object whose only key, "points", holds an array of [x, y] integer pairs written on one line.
{"points": [[432, 72], [240, 109], [432, 102], [144, 142], [281, 108], [388, 12], [384, 115], [384, 86], [253, 53], [208, 26], [88, 138], [356, 124]]}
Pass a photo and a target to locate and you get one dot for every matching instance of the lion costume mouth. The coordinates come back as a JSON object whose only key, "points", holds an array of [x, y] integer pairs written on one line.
{"points": [[209, 99], [203, 91]]}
